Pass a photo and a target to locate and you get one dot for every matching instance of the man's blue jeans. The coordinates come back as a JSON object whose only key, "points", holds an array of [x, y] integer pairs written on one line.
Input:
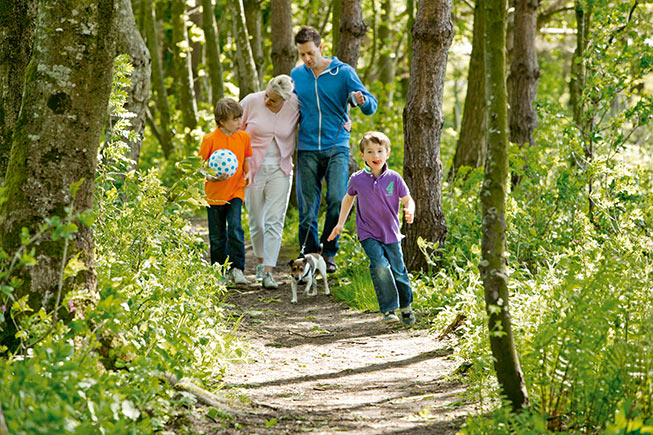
{"points": [[226, 235], [389, 274], [313, 166]]}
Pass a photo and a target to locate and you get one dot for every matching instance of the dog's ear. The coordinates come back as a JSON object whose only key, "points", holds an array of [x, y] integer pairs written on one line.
{"points": [[290, 263]]}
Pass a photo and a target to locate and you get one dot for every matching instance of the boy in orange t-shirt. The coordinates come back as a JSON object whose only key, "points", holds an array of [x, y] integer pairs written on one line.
{"points": [[226, 194]]}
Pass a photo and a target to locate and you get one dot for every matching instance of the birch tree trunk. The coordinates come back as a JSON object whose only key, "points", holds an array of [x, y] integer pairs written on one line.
{"points": [[183, 67], [284, 54], [352, 30], [423, 120], [17, 25], [67, 87], [254, 23], [248, 77], [524, 75], [131, 43], [212, 51], [472, 148], [493, 199]]}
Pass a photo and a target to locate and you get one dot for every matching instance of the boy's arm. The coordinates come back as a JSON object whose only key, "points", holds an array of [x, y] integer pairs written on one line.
{"points": [[409, 208], [247, 174], [345, 208]]}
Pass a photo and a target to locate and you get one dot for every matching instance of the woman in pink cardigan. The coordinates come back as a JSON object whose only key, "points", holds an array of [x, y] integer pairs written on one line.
{"points": [[270, 117]]}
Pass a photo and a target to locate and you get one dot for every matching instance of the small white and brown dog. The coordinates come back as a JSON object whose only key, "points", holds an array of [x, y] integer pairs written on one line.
{"points": [[304, 270]]}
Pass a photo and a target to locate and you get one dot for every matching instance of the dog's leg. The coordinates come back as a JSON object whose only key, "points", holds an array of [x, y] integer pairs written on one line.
{"points": [[323, 272], [293, 286], [309, 284]]}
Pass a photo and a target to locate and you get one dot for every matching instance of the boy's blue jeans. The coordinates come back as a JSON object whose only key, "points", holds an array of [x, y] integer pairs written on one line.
{"points": [[389, 274], [226, 235], [313, 166]]}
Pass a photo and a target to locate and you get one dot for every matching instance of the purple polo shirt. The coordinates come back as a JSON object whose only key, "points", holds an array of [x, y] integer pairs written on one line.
{"points": [[377, 204]]}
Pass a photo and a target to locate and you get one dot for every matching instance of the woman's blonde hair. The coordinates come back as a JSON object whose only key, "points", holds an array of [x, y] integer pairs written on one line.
{"points": [[282, 85]]}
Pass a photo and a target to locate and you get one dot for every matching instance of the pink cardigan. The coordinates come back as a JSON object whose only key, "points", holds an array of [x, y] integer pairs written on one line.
{"points": [[263, 125]]}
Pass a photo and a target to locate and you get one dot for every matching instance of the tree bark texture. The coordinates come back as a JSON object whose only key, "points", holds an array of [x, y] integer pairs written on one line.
{"points": [[284, 54], [423, 120], [524, 74], [248, 77], [196, 53], [472, 148], [336, 14], [352, 30], [493, 198], [254, 23], [67, 87], [160, 92], [131, 43], [17, 25], [212, 51], [183, 67], [386, 63]]}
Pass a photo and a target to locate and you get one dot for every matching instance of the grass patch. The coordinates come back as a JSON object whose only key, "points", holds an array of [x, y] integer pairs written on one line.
{"points": [[356, 290]]}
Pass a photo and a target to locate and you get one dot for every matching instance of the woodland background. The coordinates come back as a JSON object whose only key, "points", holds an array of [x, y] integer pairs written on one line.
{"points": [[522, 130]]}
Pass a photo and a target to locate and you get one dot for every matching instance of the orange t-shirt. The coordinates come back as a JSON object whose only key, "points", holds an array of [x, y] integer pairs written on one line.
{"points": [[219, 192]]}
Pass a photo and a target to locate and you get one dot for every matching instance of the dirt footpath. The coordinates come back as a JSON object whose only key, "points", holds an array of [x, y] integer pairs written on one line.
{"points": [[319, 366]]}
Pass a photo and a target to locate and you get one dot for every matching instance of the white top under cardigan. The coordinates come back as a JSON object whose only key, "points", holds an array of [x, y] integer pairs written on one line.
{"points": [[263, 126]]}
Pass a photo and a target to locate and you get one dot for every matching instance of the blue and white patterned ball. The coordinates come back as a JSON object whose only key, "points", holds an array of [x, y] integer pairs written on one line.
{"points": [[223, 161]]}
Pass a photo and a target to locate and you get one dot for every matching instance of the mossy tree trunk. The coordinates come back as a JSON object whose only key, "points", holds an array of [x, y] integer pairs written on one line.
{"points": [[284, 54], [55, 142], [423, 120], [17, 25], [248, 77], [160, 93], [524, 75], [197, 52], [183, 67], [472, 148], [352, 30], [254, 22], [493, 200], [212, 51], [131, 43], [386, 64]]}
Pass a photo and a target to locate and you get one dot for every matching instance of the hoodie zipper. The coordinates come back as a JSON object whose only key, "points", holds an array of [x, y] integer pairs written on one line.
{"points": [[319, 117]]}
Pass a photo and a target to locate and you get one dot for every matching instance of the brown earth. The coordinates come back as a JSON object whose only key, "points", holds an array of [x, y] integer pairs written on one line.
{"points": [[319, 366]]}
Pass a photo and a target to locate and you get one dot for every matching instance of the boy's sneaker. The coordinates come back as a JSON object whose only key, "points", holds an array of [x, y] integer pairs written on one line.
{"points": [[390, 316], [268, 281], [237, 276], [259, 272], [407, 316]]}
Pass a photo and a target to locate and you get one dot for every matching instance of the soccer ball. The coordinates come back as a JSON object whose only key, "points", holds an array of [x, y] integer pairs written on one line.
{"points": [[223, 161]]}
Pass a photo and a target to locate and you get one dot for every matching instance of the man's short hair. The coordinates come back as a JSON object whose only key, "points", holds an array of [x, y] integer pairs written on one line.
{"points": [[375, 137], [226, 109], [307, 34]]}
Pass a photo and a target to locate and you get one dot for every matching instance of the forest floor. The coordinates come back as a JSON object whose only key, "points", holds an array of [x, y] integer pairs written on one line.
{"points": [[320, 366]]}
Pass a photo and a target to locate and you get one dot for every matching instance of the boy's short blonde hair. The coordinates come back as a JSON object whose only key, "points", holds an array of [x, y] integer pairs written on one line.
{"points": [[226, 109], [374, 137]]}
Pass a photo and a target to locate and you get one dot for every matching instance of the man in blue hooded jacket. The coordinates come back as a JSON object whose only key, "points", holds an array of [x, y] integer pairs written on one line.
{"points": [[324, 86]]}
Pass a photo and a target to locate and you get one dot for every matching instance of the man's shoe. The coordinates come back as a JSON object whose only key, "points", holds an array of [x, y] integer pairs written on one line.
{"points": [[330, 263], [238, 277], [259, 272], [268, 281], [390, 316], [408, 317]]}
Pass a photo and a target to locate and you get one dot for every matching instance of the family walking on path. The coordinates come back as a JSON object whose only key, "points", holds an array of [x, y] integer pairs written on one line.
{"points": [[260, 131]]}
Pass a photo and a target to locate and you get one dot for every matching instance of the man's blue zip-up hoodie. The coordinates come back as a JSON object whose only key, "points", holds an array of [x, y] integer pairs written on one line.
{"points": [[323, 104]]}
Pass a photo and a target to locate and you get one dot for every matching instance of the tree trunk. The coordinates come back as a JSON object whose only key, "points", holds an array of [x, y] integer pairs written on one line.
{"points": [[196, 53], [493, 198], [336, 14], [352, 30], [284, 54], [67, 87], [386, 63], [472, 148], [158, 79], [17, 25], [423, 120], [524, 75], [254, 23], [248, 77], [131, 43], [183, 67], [212, 51]]}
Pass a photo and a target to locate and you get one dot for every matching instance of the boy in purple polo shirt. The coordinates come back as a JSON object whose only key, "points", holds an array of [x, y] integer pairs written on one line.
{"points": [[379, 191]]}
